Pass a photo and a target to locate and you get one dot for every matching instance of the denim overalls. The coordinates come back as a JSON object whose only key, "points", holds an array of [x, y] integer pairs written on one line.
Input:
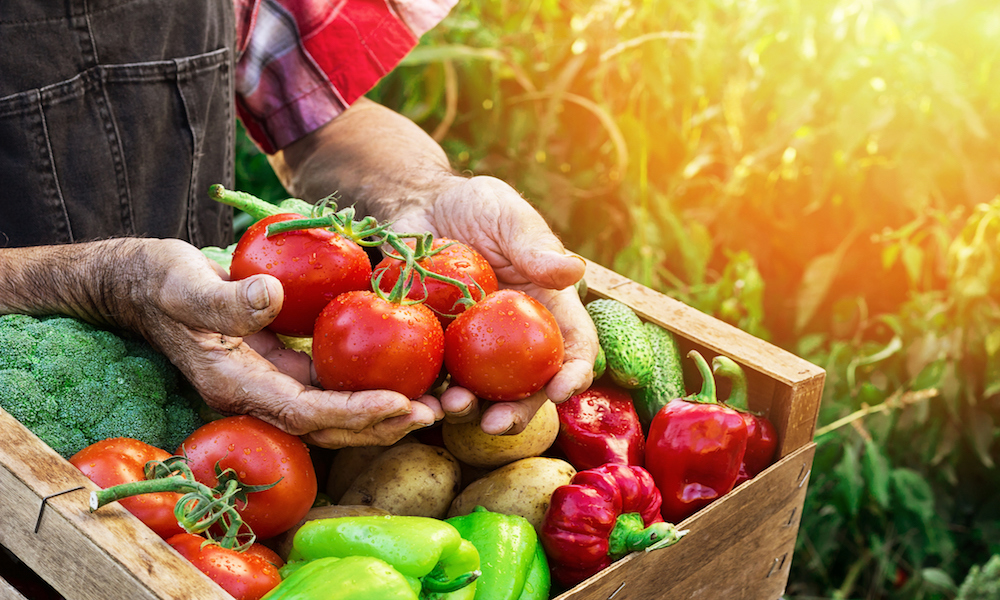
{"points": [[115, 118]]}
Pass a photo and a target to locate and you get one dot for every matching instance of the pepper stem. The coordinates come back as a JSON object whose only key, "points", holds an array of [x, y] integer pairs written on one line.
{"points": [[728, 368], [438, 583], [630, 535], [707, 393]]}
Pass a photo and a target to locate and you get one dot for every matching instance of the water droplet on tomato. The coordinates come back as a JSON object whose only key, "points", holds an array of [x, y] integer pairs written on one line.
{"points": [[246, 451], [232, 447]]}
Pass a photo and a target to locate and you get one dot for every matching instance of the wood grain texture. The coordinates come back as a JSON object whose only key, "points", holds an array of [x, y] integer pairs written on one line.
{"points": [[9, 592], [83, 555]]}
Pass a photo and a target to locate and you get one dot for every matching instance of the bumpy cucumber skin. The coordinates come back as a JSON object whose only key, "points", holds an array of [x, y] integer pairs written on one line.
{"points": [[630, 358], [600, 363], [668, 375]]}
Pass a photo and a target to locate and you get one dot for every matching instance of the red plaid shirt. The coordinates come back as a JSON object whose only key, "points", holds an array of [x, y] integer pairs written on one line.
{"points": [[300, 63]]}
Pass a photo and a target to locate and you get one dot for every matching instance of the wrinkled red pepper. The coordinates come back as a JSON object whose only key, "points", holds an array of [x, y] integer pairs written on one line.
{"points": [[600, 516], [694, 449], [762, 438], [600, 426]]}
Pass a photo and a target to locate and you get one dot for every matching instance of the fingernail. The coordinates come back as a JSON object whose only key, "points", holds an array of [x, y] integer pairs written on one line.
{"points": [[464, 412], [257, 294]]}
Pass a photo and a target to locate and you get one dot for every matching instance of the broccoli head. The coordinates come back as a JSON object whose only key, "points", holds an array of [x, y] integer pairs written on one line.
{"points": [[74, 384]]}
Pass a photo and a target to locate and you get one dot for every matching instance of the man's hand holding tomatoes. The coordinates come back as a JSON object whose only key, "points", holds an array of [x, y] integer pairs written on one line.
{"points": [[211, 328], [389, 168]]}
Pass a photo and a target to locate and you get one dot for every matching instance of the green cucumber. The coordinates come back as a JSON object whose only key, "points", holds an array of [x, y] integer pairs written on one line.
{"points": [[630, 359], [668, 375], [600, 363]]}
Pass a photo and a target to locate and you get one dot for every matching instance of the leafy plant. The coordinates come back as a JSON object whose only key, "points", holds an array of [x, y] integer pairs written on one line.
{"points": [[820, 174]]}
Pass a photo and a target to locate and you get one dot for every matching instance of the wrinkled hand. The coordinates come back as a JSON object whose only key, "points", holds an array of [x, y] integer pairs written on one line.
{"points": [[211, 329], [489, 215]]}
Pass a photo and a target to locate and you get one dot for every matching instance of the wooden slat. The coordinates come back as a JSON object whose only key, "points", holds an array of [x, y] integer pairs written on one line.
{"points": [[738, 548], [9, 592], [83, 555]]}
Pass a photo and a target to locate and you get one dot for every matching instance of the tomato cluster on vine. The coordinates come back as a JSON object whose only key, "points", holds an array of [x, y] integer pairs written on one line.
{"points": [[430, 308]]}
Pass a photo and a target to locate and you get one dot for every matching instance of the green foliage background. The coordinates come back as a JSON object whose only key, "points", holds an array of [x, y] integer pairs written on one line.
{"points": [[821, 173]]}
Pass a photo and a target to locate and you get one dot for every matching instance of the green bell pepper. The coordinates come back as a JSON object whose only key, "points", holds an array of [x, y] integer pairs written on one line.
{"points": [[513, 562], [421, 548], [349, 578]]}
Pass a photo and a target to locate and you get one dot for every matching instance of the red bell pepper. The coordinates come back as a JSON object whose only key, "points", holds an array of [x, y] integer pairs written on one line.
{"points": [[694, 448], [600, 426], [603, 514], [762, 438]]}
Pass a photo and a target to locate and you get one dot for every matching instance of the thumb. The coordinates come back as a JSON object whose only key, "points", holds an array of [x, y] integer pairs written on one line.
{"points": [[551, 269], [236, 308]]}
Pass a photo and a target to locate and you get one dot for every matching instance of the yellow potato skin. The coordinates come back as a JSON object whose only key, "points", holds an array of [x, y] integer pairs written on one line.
{"points": [[408, 479], [523, 487], [472, 446]]}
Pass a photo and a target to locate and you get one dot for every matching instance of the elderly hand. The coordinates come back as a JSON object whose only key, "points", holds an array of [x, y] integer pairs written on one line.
{"points": [[490, 216], [388, 167], [181, 302]]}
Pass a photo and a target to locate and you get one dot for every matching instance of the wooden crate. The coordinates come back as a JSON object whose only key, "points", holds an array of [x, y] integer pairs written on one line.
{"points": [[740, 547]]}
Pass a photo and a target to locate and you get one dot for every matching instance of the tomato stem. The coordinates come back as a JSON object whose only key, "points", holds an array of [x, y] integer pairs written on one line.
{"points": [[366, 232], [248, 203], [200, 507], [412, 270]]}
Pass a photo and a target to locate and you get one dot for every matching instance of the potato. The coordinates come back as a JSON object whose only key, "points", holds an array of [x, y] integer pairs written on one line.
{"points": [[523, 487], [350, 462], [412, 479], [472, 446], [282, 544]]}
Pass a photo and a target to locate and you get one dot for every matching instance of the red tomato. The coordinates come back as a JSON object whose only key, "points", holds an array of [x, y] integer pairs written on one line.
{"points": [[457, 261], [260, 454], [506, 347], [363, 342], [313, 265], [266, 553], [121, 460], [245, 575]]}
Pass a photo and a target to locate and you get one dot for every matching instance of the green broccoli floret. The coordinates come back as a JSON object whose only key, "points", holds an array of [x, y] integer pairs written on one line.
{"points": [[142, 419], [65, 440], [182, 417], [74, 384], [982, 583], [24, 399], [17, 341]]}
